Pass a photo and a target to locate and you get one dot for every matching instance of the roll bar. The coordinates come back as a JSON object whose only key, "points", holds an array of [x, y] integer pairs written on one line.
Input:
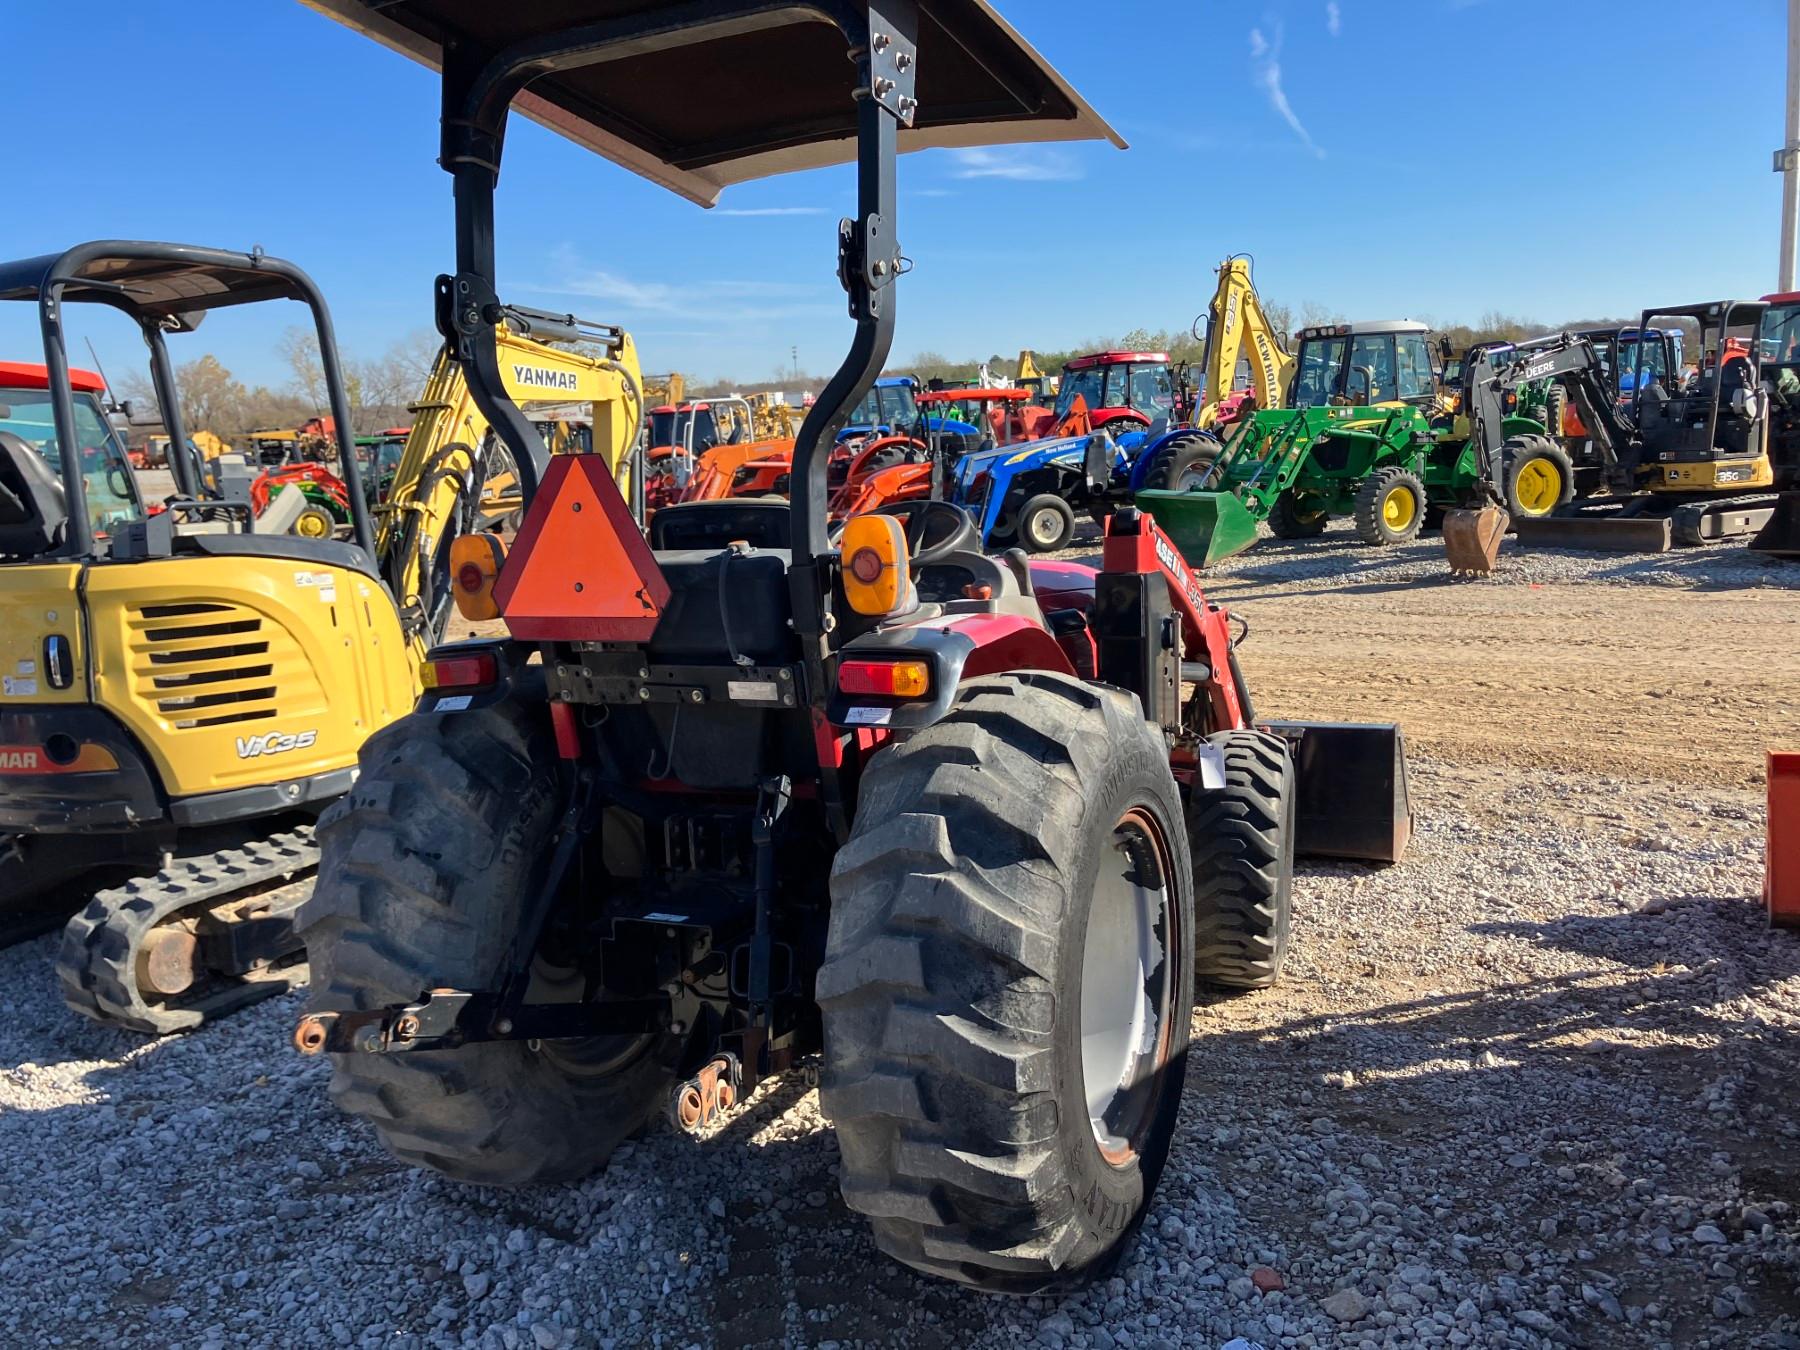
{"points": [[167, 288]]}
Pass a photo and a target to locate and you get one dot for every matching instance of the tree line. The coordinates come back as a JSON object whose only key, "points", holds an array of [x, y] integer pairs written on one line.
{"points": [[379, 389]]}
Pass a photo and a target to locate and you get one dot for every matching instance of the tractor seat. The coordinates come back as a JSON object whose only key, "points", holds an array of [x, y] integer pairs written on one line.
{"points": [[34, 510], [712, 525]]}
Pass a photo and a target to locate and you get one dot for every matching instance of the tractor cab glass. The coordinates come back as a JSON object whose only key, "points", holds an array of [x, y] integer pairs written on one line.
{"points": [[1145, 386], [111, 489], [1659, 358], [1337, 365], [1318, 375], [886, 405], [1779, 335]]}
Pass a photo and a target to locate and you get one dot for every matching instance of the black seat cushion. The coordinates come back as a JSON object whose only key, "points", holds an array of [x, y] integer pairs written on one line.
{"points": [[34, 509]]}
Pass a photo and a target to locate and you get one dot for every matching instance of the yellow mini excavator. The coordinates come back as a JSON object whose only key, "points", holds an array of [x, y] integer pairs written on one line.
{"points": [[184, 688]]}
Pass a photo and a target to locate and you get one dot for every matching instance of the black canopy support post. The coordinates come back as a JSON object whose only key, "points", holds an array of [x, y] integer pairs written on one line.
{"points": [[868, 251], [348, 468], [168, 401], [468, 305], [79, 540]]}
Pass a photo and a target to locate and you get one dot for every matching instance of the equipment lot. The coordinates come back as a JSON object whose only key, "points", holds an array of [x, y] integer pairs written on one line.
{"points": [[1529, 1086]]}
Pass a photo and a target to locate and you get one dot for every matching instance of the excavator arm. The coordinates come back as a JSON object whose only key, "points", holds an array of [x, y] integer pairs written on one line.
{"points": [[1237, 327], [448, 481]]}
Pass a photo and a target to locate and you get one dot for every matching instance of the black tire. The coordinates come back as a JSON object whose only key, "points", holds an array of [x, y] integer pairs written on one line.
{"points": [[422, 884], [1376, 522], [1242, 836], [953, 979], [1536, 459], [1290, 520], [1183, 461], [1046, 523], [1556, 403]]}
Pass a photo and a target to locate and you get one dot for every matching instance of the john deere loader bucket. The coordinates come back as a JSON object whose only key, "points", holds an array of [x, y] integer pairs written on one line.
{"points": [[1780, 536], [1472, 539], [1206, 526]]}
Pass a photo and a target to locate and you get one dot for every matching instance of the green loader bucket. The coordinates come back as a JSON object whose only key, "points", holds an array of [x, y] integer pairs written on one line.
{"points": [[1206, 526]]}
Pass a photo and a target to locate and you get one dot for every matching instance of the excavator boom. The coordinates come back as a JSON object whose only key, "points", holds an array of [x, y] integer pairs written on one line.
{"points": [[1239, 328]]}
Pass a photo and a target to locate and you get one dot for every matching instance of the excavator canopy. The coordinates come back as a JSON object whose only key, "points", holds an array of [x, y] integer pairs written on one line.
{"points": [[714, 94]]}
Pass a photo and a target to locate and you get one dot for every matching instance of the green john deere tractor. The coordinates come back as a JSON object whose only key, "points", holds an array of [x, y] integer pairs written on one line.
{"points": [[1367, 434]]}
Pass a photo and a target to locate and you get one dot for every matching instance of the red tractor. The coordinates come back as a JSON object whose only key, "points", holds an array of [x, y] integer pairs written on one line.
{"points": [[733, 795]]}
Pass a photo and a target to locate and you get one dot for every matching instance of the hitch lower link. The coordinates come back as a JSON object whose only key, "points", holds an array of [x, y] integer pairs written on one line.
{"points": [[447, 1018]]}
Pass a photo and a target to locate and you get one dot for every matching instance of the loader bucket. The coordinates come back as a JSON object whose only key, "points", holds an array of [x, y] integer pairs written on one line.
{"points": [[1472, 539], [1780, 536], [1206, 526], [1351, 798]]}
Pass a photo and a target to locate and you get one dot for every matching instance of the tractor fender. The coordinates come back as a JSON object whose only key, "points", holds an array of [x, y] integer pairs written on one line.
{"points": [[1145, 455], [957, 647]]}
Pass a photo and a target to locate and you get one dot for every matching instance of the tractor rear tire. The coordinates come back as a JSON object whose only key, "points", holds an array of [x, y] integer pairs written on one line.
{"points": [[967, 967], [423, 881], [1242, 836], [1046, 523], [1390, 507], [1538, 476], [1556, 403], [1183, 462], [1289, 520]]}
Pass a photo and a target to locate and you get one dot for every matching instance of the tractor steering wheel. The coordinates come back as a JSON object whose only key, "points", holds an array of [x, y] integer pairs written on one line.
{"points": [[934, 529]]}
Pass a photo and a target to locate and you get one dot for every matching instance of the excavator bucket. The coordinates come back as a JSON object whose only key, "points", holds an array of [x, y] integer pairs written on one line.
{"points": [[1780, 536], [1207, 527], [1472, 539]]}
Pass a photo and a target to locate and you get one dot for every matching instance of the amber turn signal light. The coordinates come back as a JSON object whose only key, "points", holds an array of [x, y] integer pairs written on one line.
{"points": [[475, 561], [876, 579]]}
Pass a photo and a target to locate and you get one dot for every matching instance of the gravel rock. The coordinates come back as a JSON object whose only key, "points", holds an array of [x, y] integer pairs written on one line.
{"points": [[1347, 1305]]}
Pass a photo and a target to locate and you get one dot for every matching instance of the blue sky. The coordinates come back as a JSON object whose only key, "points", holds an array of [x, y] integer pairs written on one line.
{"points": [[1433, 158]]}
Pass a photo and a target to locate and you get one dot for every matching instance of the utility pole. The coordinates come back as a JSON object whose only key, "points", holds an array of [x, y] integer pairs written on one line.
{"points": [[794, 351], [1787, 159]]}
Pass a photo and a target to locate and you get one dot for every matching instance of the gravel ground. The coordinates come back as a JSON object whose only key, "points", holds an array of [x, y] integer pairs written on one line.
{"points": [[1525, 1088]]}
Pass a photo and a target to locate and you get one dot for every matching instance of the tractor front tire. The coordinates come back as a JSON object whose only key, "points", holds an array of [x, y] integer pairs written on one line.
{"points": [[423, 881], [1011, 919], [1539, 476], [1290, 519], [314, 522], [1046, 523], [1242, 836], [1390, 507]]}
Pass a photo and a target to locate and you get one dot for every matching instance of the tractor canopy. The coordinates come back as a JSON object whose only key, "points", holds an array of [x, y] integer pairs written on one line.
{"points": [[764, 87], [163, 288]]}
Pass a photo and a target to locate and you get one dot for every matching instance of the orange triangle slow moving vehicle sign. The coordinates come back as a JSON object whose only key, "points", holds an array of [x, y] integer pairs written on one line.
{"points": [[580, 570]]}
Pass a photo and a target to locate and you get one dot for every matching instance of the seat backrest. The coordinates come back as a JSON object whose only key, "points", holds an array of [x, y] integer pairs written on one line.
{"points": [[34, 510], [714, 524]]}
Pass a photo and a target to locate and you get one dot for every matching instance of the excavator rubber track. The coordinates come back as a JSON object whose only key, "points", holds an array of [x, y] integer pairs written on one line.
{"points": [[205, 936], [1729, 518]]}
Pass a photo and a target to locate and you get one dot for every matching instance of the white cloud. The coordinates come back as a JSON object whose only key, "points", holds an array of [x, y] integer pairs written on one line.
{"points": [[1334, 18], [933, 192], [1265, 57], [771, 211], [1018, 163], [725, 301]]}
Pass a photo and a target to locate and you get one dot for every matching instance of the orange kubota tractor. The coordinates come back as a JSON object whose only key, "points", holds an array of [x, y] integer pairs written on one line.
{"points": [[733, 794]]}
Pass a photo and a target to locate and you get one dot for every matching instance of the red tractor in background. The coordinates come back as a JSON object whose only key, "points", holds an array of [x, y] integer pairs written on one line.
{"points": [[750, 789]]}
